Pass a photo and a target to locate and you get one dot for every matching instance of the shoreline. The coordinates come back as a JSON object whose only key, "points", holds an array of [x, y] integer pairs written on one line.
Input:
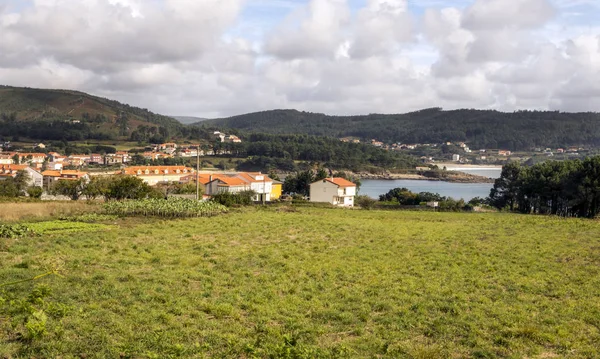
{"points": [[451, 166], [453, 177]]}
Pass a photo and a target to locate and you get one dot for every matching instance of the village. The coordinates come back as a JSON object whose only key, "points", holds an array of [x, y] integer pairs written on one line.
{"points": [[459, 152], [44, 170]]}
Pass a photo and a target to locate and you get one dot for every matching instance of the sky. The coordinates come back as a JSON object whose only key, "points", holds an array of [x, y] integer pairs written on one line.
{"points": [[216, 58]]}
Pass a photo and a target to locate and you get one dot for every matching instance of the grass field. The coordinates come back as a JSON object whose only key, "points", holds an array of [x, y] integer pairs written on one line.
{"points": [[19, 211], [309, 282]]}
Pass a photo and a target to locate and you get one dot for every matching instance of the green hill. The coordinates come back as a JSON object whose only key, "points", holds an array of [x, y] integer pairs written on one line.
{"points": [[480, 128], [72, 115]]}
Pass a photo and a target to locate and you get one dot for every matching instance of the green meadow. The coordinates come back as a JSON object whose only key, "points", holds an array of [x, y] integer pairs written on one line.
{"points": [[286, 282]]}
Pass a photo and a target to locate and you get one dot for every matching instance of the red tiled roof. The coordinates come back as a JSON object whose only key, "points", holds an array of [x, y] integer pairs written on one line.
{"points": [[342, 182], [251, 177], [232, 181], [51, 173], [161, 170]]}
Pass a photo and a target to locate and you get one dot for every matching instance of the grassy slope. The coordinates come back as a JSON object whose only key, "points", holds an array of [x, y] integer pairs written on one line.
{"points": [[29, 103], [334, 282]]}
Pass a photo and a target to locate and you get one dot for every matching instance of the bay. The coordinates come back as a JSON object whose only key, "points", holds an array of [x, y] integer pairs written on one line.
{"points": [[466, 191]]}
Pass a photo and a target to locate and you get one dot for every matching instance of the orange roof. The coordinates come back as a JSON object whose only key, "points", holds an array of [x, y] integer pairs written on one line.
{"points": [[13, 167], [32, 154], [51, 173], [342, 182], [161, 169], [251, 176], [73, 172], [232, 181]]}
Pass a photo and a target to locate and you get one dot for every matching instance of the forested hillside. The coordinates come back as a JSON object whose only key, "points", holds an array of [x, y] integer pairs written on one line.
{"points": [[480, 128], [283, 151], [72, 115]]}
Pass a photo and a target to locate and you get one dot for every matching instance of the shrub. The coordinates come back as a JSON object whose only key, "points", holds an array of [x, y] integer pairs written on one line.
{"points": [[244, 198], [129, 187], [365, 202], [35, 192]]}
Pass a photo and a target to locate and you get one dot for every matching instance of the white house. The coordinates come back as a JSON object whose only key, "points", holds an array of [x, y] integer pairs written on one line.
{"points": [[261, 184], [35, 178], [335, 190], [218, 184], [455, 157], [154, 175]]}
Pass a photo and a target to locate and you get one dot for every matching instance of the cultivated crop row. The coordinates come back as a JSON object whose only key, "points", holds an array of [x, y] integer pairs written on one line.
{"points": [[172, 207]]}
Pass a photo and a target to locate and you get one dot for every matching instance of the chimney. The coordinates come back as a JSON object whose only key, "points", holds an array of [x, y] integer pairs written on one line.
{"points": [[210, 178]]}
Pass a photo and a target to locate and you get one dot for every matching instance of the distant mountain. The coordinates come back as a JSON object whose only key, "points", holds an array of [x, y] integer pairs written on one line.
{"points": [[66, 114], [188, 120], [479, 128]]}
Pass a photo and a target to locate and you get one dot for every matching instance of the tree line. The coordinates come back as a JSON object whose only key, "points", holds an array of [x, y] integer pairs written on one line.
{"points": [[566, 188], [518, 130], [330, 152]]}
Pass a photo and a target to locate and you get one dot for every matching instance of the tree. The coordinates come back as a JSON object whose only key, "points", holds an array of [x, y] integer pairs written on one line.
{"points": [[299, 183], [69, 188], [21, 181], [8, 188], [35, 192], [16, 159], [96, 187], [505, 190], [128, 187]]}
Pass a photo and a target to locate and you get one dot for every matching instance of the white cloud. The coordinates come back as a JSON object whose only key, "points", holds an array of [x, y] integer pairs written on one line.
{"points": [[208, 58]]}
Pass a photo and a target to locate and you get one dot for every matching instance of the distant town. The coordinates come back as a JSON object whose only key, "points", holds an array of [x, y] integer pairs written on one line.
{"points": [[461, 153]]}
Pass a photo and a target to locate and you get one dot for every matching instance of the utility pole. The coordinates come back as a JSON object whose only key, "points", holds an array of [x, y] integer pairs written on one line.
{"points": [[264, 190], [197, 173]]}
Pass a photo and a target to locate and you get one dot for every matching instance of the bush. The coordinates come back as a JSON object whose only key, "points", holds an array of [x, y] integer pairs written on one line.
{"points": [[365, 202], [35, 192], [129, 187], [244, 198]]}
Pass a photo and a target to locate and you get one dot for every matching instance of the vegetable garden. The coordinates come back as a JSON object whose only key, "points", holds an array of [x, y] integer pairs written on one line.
{"points": [[172, 208]]}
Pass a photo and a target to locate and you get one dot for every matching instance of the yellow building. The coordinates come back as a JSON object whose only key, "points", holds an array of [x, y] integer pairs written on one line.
{"points": [[276, 190]]}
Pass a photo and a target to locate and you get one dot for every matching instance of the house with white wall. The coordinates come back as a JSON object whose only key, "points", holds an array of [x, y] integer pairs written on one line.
{"points": [[35, 178], [260, 183], [153, 175], [335, 190]]}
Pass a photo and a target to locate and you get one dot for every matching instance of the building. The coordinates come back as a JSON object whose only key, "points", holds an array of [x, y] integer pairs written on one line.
{"points": [[504, 153], [261, 184], [95, 158], [77, 160], [153, 175], [54, 166], [219, 184], [35, 177], [6, 159], [276, 190], [51, 176], [335, 190], [233, 139], [455, 157]]}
